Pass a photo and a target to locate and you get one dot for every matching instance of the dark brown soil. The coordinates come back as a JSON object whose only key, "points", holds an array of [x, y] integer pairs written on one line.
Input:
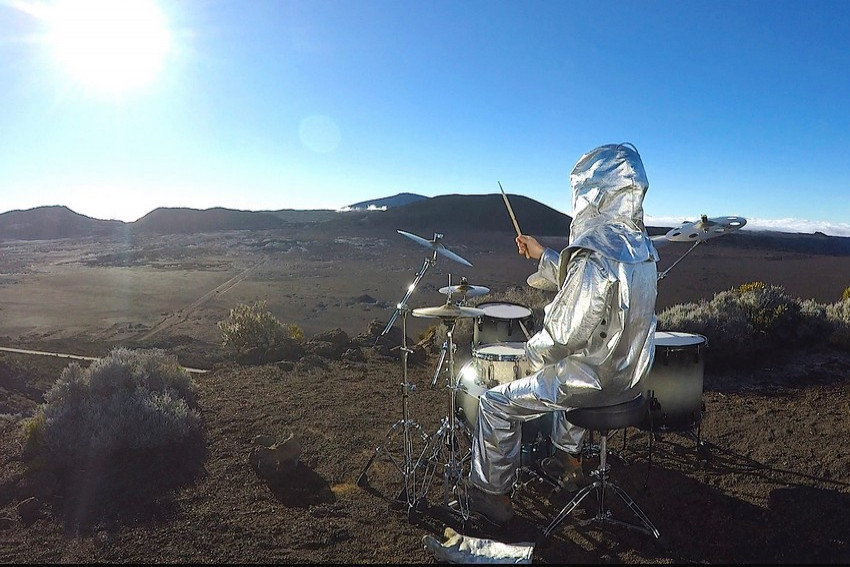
{"points": [[765, 478]]}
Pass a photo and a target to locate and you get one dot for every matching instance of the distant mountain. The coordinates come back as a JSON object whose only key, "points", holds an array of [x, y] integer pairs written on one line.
{"points": [[183, 220], [816, 243], [52, 222], [467, 212], [399, 200], [423, 216]]}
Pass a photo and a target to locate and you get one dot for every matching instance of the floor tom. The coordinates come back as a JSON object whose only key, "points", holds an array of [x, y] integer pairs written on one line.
{"points": [[674, 384]]}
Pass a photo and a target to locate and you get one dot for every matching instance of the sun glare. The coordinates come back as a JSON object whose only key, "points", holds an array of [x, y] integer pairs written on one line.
{"points": [[109, 45]]}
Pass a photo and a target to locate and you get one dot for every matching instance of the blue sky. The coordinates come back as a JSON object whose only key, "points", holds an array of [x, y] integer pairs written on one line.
{"points": [[737, 107]]}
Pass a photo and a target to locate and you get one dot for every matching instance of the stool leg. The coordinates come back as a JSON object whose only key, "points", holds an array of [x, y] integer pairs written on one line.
{"points": [[570, 506], [647, 527], [600, 485]]}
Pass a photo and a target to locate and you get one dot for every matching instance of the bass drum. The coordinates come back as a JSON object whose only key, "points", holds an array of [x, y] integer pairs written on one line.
{"points": [[502, 322], [492, 365], [675, 381]]}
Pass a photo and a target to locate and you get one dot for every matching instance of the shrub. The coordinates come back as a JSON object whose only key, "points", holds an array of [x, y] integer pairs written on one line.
{"points": [[722, 321], [838, 315], [252, 327], [773, 314], [132, 401], [753, 318], [815, 325], [846, 294]]}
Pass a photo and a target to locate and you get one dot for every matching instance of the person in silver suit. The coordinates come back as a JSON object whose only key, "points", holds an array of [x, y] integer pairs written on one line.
{"points": [[597, 338]]}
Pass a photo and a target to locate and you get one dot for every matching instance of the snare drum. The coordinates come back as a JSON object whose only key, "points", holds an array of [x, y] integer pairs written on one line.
{"points": [[492, 365], [674, 383], [502, 322]]}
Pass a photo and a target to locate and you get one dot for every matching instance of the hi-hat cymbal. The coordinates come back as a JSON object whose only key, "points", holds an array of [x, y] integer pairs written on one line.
{"points": [[448, 311], [465, 289], [436, 246], [537, 281], [705, 228]]}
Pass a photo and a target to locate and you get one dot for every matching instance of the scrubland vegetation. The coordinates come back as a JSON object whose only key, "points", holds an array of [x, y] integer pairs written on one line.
{"points": [[753, 319], [141, 402], [129, 401]]}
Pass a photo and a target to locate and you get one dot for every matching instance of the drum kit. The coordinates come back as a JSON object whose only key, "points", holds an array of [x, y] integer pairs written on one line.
{"points": [[501, 329]]}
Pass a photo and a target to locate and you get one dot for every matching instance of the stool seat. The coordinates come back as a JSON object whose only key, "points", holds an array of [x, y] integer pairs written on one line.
{"points": [[606, 418]]}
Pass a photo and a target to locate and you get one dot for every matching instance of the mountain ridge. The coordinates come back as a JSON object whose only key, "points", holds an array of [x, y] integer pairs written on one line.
{"points": [[420, 214]]}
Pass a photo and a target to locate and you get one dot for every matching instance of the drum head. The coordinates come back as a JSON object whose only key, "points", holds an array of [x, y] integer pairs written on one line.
{"points": [[503, 310], [500, 351], [675, 339]]}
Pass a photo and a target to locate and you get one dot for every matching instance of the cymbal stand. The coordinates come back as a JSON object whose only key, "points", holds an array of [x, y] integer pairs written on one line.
{"points": [[663, 274], [444, 447], [407, 467], [444, 349], [441, 362]]}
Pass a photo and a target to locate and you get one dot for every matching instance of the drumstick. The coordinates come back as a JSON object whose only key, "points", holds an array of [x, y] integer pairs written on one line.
{"points": [[510, 210]]}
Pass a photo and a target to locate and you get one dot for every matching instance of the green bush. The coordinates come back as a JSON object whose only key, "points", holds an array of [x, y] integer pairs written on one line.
{"points": [[740, 324], [838, 314], [846, 294], [129, 401], [752, 319], [722, 321], [253, 327]]}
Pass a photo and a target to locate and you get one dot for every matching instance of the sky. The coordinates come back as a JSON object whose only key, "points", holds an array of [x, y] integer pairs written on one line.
{"points": [[116, 107]]}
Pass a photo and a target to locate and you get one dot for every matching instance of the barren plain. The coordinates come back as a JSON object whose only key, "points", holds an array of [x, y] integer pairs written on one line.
{"points": [[769, 481]]}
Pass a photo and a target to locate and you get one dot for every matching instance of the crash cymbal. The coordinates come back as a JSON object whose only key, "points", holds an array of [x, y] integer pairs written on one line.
{"points": [[465, 289], [659, 240], [436, 246], [448, 311], [705, 228]]}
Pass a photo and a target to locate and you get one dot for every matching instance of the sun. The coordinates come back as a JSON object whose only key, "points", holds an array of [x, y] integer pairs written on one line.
{"points": [[111, 46]]}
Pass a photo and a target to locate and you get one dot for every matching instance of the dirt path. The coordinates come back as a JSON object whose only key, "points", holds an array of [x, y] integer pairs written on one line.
{"points": [[181, 315], [73, 356]]}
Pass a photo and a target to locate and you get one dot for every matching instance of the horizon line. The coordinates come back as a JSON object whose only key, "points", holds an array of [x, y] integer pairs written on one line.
{"points": [[786, 225]]}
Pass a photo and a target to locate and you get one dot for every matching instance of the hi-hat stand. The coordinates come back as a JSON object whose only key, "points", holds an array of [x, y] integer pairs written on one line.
{"points": [[450, 446], [405, 464]]}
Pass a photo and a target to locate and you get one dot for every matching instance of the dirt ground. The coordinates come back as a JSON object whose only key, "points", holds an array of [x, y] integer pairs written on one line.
{"points": [[768, 482], [763, 478]]}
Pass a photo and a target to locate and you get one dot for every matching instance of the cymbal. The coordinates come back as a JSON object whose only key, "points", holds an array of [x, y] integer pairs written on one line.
{"points": [[705, 228], [448, 311], [659, 240], [537, 281], [436, 246], [465, 289]]}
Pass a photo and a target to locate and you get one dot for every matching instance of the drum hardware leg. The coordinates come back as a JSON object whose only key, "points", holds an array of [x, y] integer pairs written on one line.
{"points": [[527, 474], [410, 492], [440, 363], [662, 275], [529, 470], [525, 331], [444, 449], [599, 486]]}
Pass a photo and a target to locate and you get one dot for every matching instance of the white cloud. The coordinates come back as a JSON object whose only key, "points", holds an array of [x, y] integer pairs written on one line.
{"points": [[781, 225]]}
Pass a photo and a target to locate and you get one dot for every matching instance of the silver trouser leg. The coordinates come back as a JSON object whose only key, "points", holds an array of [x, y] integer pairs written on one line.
{"points": [[566, 436], [497, 441]]}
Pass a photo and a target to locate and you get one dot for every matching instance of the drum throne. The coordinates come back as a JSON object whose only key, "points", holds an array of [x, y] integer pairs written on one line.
{"points": [[600, 421]]}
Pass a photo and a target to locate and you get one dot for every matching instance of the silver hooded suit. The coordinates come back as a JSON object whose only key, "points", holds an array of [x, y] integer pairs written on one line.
{"points": [[597, 340]]}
